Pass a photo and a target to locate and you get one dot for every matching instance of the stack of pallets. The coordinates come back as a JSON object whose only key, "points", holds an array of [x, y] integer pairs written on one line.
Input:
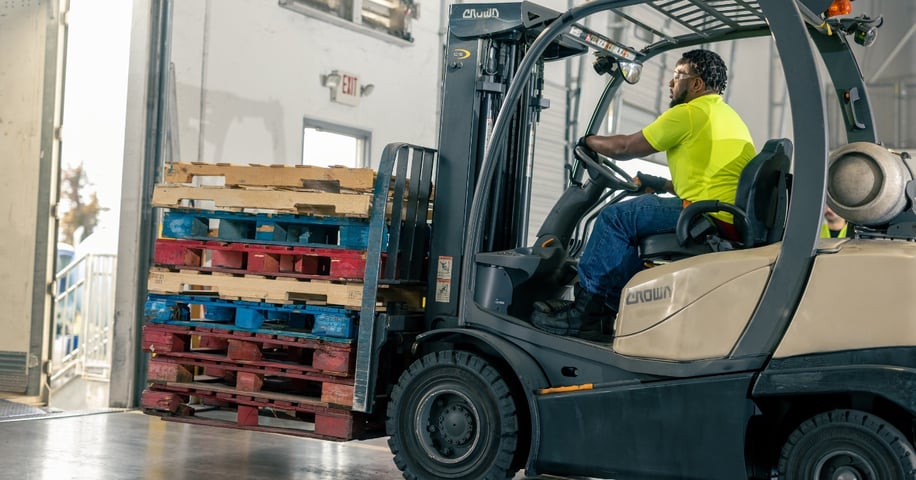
{"points": [[254, 297]]}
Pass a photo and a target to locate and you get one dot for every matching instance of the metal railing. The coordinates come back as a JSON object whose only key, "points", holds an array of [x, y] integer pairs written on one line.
{"points": [[83, 316]]}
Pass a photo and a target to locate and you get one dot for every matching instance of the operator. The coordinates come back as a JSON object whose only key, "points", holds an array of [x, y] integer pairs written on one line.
{"points": [[707, 145], [834, 226]]}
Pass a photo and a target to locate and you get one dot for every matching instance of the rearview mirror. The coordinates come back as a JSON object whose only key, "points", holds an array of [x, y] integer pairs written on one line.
{"points": [[630, 71]]}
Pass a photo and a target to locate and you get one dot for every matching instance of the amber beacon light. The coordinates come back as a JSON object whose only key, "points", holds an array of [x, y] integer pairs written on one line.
{"points": [[839, 7]]}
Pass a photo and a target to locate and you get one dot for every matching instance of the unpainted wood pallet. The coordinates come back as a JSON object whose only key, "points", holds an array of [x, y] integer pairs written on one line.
{"points": [[300, 176], [275, 200], [279, 290]]}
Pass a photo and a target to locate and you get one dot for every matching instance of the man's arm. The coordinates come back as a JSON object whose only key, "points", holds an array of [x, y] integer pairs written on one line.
{"points": [[621, 147]]}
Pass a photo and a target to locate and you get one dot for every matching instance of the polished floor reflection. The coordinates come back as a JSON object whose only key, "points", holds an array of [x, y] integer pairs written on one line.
{"points": [[128, 445]]}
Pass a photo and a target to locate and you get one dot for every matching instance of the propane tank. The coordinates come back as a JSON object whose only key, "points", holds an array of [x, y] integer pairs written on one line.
{"points": [[866, 183]]}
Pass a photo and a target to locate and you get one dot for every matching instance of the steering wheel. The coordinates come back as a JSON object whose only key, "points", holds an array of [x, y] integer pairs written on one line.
{"points": [[607, 169]]}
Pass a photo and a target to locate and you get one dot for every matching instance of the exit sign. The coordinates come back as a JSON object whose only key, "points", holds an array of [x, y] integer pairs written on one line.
{"points": [[347, 90]]}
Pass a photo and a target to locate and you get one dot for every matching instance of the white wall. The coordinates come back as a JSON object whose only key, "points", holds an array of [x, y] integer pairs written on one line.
{"points": [[30, 79], [248, 72], [20, 127]]}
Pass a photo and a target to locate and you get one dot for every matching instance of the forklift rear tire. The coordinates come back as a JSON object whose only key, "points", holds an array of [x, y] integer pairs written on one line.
{"points": [[843, 444], [452, 415]]}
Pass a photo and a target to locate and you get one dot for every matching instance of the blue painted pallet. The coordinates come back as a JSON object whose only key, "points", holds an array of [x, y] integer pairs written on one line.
{"points": [[307, 321], [281, 229]]}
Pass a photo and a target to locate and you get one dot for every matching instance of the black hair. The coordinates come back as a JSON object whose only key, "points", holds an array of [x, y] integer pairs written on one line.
{"points": [[709, 67]]}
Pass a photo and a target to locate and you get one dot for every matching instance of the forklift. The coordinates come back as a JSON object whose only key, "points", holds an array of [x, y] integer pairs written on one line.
{"points": [[778, 355]]}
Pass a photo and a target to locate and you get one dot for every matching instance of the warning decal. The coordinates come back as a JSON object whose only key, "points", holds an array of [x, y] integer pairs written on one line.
{"points": [[443, 279]]}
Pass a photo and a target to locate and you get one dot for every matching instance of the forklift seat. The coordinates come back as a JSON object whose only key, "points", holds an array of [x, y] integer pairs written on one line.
{"points": [[759, 212]]}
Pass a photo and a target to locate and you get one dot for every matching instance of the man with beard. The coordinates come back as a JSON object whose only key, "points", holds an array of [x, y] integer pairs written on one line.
{"points": [[706, 144]]}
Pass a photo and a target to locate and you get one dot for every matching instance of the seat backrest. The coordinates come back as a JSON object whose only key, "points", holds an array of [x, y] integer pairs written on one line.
{"points": [[763, 190]]}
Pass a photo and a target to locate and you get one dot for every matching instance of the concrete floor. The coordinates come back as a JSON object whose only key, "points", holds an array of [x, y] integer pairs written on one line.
{"points": [[79, 394], [128, 445], [131, 445]]}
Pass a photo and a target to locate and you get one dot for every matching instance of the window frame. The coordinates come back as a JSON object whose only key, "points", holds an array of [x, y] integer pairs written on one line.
{"points": [[354, 22], [363, 137]]}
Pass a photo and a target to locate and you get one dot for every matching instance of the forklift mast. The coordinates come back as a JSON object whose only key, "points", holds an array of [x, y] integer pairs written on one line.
{"points": [[486, 43]]}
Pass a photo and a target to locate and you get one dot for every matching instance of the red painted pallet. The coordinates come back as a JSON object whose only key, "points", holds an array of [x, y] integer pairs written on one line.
{"points": [[251, 376], [300, 262], [330, 358], [314, 418]]}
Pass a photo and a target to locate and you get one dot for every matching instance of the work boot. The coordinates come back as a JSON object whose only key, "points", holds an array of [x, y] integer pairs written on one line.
{"points": [[580, 318]]}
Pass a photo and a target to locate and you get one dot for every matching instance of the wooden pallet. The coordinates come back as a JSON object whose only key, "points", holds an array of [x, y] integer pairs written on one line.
{"points": [[251, 376], [308, 321], [257, 259], [284, 229], [174, 367], [329, 356], [265, 199], [172, 399], [278, 290], [301, 176]]}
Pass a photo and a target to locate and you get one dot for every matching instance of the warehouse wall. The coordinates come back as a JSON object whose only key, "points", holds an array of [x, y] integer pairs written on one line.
{"points": [[889, 68], [248, 72]]}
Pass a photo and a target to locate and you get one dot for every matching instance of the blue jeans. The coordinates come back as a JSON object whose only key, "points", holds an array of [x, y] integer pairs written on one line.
{"points": [[611, 255]]}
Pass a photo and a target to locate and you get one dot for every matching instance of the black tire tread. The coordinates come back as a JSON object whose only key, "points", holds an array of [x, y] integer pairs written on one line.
{"points": [[887, 433], [502, 467]]}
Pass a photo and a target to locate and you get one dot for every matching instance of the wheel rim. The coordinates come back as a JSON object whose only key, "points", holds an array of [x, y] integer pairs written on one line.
{"points": [[447, 426], [844, 465]]}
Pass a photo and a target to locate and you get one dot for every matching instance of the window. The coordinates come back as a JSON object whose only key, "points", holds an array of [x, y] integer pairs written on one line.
{"points": [[385, 19], [325, 145]]}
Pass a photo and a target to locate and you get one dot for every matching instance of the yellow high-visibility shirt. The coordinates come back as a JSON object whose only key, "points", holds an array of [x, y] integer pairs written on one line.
{"points": [[707, 145], [825, 231]]}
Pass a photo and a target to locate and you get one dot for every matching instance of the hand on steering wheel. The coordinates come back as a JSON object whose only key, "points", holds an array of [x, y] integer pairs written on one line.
{"points": [[651, 183], [600, 166]]}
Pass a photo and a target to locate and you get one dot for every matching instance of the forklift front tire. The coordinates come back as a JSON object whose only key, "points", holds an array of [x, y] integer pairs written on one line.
{"points": [[844, 444], [452, 416]]}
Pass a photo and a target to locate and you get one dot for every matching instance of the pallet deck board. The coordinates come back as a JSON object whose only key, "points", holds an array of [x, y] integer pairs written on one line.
{"points": [[280, 290], [257, 289], [280, 201], [358, 179], [241, 257], [172, 404], [269, 229], [255, 378], [328, 356], [268, 338], [172, 398], [305, 320], [263, 367]]}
